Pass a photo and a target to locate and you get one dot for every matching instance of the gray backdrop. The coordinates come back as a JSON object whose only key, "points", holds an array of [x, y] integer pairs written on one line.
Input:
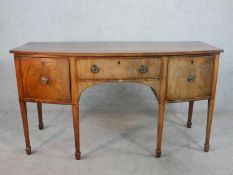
{"points": [[117, 120], [122, 20]]}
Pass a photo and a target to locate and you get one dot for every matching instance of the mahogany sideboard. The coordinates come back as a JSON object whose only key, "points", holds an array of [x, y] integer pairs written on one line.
{"points": [[58, 72]]}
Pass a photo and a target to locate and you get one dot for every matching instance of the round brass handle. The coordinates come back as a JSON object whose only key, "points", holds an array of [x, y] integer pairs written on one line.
{"points": [[94, 69], [44, 79], [143, 69], [191, 78]]}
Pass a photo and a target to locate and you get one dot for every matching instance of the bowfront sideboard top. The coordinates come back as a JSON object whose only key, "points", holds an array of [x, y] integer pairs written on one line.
{"points": [[58, 73], [133, 48]]}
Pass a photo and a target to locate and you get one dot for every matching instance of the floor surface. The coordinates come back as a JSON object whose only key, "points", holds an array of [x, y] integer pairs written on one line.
{"points": [[117, 137]]}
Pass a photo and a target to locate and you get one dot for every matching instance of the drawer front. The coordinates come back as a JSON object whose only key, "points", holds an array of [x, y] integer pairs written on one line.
{"points": [[46, 78], [189, 77], [132, 68]]}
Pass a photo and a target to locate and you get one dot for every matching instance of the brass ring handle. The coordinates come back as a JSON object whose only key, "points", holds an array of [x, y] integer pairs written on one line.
{"points": [[191, 78], [44, 79], [143, 69], [94, 69]]}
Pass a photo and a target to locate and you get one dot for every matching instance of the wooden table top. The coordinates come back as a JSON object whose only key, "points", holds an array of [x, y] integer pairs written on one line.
{"points": [[118, 48]]}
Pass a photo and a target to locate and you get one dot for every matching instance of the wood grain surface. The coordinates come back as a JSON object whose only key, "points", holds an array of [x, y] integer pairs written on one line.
{"points": [[57, 71], [118, 68], [180, 68], [116, 48]]}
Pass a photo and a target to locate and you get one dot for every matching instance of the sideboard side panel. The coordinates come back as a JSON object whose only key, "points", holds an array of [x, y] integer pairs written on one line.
{"points": [[74, 79], [19, 78], [215, 76], [163, 80]]}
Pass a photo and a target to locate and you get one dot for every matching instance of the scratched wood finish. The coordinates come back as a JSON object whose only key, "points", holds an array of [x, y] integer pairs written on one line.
{"points": [[118, 68], [57, 71], [180, 68]]}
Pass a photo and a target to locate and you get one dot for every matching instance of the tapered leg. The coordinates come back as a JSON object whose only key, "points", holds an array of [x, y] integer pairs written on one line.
{"points": [[76, 131], [209, 123], [160, 128], [39, 110], [190, 113], [23, 109]]}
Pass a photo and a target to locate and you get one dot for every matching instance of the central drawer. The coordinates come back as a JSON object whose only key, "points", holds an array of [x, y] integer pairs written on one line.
{"points": [[122, 68]]}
